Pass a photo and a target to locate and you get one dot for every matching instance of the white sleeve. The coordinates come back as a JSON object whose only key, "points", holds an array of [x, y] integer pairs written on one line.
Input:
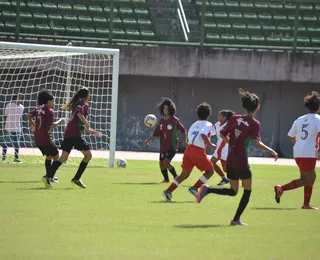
{"points": [[293, 130], [213, 130], [206, 129], [21, 108]]}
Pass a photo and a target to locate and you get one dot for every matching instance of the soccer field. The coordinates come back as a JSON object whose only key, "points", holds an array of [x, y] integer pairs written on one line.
{"points": [[122, 215]]}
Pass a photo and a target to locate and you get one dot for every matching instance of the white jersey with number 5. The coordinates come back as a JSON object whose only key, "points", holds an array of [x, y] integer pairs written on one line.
{"points": [[305, 129], [195, 131]]}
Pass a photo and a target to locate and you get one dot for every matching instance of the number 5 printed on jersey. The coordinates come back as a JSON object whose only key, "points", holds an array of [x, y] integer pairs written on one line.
{"points": [[304, 131]]}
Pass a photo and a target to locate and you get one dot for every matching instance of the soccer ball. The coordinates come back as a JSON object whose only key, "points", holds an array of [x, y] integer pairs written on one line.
{"points": [[150, 120], [122, 163]]}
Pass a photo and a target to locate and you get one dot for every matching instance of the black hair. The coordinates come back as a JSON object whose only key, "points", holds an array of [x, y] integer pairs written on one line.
{"points": [[226, 113], [203, 111], [250, 101], [44, 96], [171, 106], [82, 93], [312, 101], [15, 96]]}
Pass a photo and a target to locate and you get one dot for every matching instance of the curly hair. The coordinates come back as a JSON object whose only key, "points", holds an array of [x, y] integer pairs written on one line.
{"points": [[44, 96], [227, 113], [312, 101], [250, 101], [203, 111], [170, 104]]}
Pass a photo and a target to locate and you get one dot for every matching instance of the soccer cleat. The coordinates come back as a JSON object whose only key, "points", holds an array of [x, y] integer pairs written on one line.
{"points": [[223, 182], [17, 161], [309, 207], [54, 180], [79, 183], [237, 223], [46, 182], [278, 193], [193, 191], [164, 181], [202, 192], [167, 195]]}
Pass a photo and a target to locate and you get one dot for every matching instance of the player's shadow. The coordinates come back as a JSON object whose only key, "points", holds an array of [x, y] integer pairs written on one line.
{"points": [[138, 183], [14, 182], [272, 208], [170, 202], [44, 188], [189, 226]]}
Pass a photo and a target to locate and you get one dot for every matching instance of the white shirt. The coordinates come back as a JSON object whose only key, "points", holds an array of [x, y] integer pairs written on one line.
{"points": [[195, 131], [305, 130], [217, 127], [13, 112]]}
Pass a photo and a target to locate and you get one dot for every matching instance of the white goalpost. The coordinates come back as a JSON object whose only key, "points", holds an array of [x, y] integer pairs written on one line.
{"points": [[62, 70]]}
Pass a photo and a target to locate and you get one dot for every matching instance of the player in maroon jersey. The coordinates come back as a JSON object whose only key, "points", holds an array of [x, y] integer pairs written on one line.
{"points": [[167, 130], [73, 136], [41, 120], [241, 128]]}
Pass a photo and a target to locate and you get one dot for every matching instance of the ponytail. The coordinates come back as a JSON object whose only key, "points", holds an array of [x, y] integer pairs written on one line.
{"points": [[76, 99]]}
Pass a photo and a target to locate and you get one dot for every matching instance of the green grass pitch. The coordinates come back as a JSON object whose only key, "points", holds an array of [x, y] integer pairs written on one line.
{"points": [[122, 215]]}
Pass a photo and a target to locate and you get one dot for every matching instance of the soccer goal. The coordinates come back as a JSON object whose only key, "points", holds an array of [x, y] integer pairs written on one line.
{"points": [[62, 70]]}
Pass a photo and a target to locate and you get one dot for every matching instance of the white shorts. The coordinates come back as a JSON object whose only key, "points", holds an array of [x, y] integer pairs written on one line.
{"points": [[221, 152]]}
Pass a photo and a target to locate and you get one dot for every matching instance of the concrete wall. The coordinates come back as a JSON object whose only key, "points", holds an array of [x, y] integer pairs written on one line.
{"points": [[281, 104], [219, 64]]}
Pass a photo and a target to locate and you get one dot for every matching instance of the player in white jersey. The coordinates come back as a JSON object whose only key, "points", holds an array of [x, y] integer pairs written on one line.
{"points": [[221, 151], [12, 127], [305, 134], [195, 155]]}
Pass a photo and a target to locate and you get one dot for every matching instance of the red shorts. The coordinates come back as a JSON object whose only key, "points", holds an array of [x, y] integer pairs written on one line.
{"points": [[306, 164], [196, 156]]}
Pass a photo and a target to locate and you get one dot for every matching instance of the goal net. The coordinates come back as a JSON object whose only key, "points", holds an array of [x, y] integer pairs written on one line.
{"points": [[62, 70]]}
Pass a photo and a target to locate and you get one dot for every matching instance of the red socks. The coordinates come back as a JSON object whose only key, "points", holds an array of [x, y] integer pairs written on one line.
{"points": [[173, 186], [307, 195], [218, 170], [291, 185]]}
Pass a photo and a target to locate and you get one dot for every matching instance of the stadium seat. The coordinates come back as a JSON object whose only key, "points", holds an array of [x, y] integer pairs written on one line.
{"points": [[95, 9], [65, 8], [100, 20], [246, 5], [130, 23], [102, 31], [273, 39], [261, 5], [25, 15], [217, 3], [43, 27], [70, 18], [118, 33], [213, 36], [239, 26], [301, 29], [317, 7], [315, 40], [275, 6], [309, 18], [220, 15], [50, 7], [265, 16], [8, 14], [242, 38], [301, 39], [279, 17], [80, 8], [84, 19], [138, 3], [55, 17], [233, 4], [306, 7], [87, 30], [108, 10], [132, 34], [287, 39], [144, 24], [257, 38], [251, 16], [141, 13], [284, 27], [147, 34], [314, 29], [72, 29], [10, 26], [227, 36], [254, 27], [27, 26], [223, 25], [34, 5], [57, 28], [4, 4], [126, 12], [268, 27], [290, 6], [40, 16], [234, 15]]}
